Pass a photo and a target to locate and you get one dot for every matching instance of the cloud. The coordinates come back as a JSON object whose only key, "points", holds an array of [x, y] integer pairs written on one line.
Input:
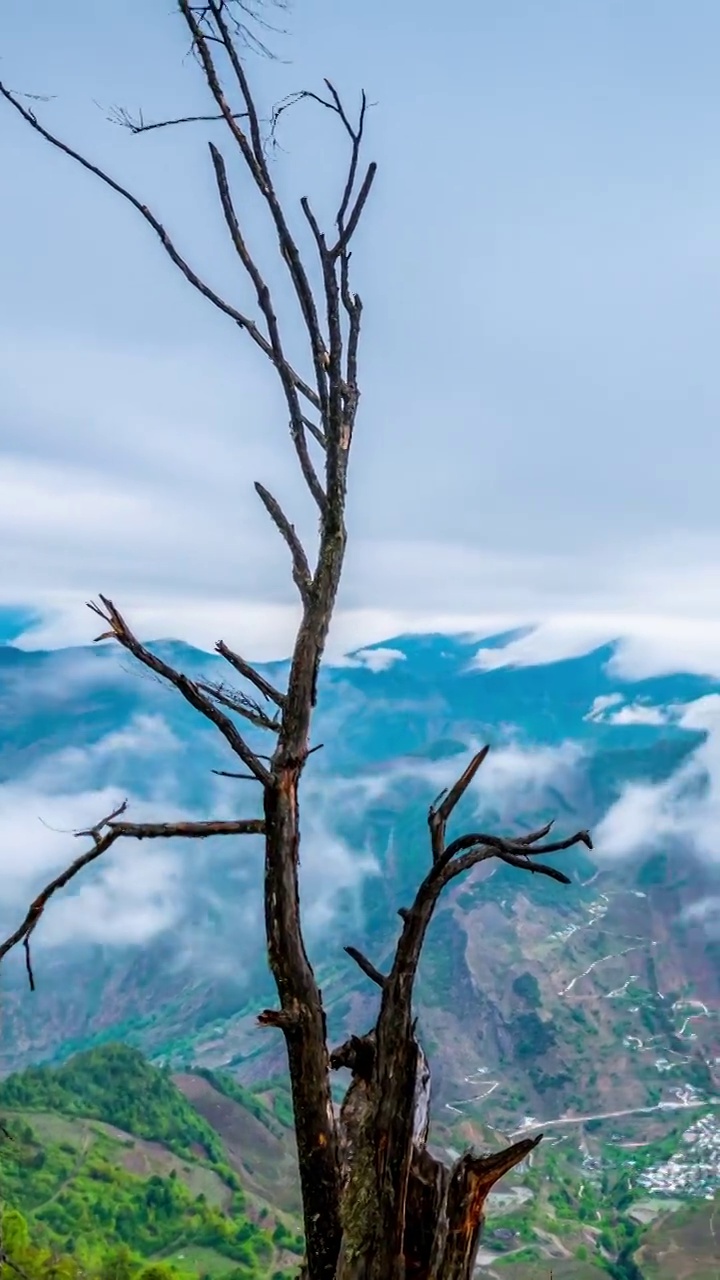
{"points": [[648, 644], [703, 909], [209, 893], [601, 704], [133, 899], [379, 658], [705, 912], [172, 531], [513, 776], [146, 740], [134, 892], [639, 713], [131, 896], [331, 872], [517, 777], [631, 713], [684, 810]]}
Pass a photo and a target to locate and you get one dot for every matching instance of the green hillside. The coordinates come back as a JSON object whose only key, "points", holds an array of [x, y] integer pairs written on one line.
{"points": [[108, 1172], [112, 1169]]}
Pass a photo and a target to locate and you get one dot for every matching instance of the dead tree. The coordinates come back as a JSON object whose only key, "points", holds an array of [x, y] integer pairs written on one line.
{"points": [[377, 1205]]}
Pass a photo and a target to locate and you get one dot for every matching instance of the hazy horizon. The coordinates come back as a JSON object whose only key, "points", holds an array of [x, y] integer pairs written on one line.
{"points": [[540, 267]]}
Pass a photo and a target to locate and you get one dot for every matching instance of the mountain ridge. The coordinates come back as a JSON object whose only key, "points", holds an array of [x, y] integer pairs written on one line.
{"points": [[567, 1006]]}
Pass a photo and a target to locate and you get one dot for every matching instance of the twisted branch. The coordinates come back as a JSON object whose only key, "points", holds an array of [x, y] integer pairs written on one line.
{"points": [[245, 669], [104, 834], [189, 689], [244, 322]]}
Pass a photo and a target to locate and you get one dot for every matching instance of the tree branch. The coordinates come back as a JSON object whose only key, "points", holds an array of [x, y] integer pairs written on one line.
{"points": [[137, 124], [226, 773], [243, 321], [190, 691], [265, 303], [356, 212], [302, 577], [438, 816], [245, 669], [396, 1073], [471, 1181], [189, 830], [103, 835], [515, 851], [252, 152], [283, 1019], [239, 702], [315, 431], [367, 966]]}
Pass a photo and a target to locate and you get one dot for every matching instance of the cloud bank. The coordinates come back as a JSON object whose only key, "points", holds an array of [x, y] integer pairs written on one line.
{"points": [[683, 812]]}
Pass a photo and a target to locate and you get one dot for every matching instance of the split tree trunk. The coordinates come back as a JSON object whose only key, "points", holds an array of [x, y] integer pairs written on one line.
{"points": [[442, 1214]]}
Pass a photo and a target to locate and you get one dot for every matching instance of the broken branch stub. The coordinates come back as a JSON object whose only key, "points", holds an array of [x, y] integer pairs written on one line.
{"points": [[423, 1212]]}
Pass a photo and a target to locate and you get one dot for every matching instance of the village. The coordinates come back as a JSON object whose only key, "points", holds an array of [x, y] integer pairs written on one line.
{"points": [[694, 1169]]}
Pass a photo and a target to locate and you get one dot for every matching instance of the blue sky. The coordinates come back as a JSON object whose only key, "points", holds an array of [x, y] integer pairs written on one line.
{"points": [[540, 267]]}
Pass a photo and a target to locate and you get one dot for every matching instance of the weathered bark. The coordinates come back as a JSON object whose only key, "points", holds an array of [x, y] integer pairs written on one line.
{"points": [[376, 1204], [302, 1021], [442, 1212], [403, 1213]]}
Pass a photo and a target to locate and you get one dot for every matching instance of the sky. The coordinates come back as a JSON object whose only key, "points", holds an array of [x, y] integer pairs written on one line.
{"points": [[540, 268]]}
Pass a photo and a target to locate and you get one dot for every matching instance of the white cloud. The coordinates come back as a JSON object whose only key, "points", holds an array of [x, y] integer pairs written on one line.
{"points": [[553, 640], [685, 809], [329, 870], [639, 713], [643, 816], [211, 891], [631, 713], [511, 776], [133, 892], [601, 704], [516, 777], [133, 898], [647, 644], [130, 896], [704, 909], [112, 480], [377, 659], [147, 738]]}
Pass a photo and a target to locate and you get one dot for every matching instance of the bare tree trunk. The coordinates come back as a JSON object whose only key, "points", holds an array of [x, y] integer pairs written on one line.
{"points": [[376, 1204], [302, 1020], [441, 1218]]}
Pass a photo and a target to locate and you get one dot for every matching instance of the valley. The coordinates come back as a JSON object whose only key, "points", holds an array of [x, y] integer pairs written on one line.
{"points": [[589, 1013], [107, 1162], [115, 1167]]}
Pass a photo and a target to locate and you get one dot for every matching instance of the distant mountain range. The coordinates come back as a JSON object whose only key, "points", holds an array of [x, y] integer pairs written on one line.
{"points": [[602, 996]]}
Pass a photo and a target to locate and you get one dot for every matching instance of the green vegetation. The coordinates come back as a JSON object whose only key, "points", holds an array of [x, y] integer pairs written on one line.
{"points": [[279, 1090], [527, 988], [531, 1037], [108, 1173], [226, 1085], [116, 1084]]}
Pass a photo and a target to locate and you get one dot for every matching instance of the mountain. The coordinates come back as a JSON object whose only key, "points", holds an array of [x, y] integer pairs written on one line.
{"points": [[109, 1168], [590, 1011], [116, 1170]]}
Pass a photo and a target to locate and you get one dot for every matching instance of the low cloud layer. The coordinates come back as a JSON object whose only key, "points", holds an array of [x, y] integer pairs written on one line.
{"points": [[201, 891], [682, 812], [208, 893]]}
